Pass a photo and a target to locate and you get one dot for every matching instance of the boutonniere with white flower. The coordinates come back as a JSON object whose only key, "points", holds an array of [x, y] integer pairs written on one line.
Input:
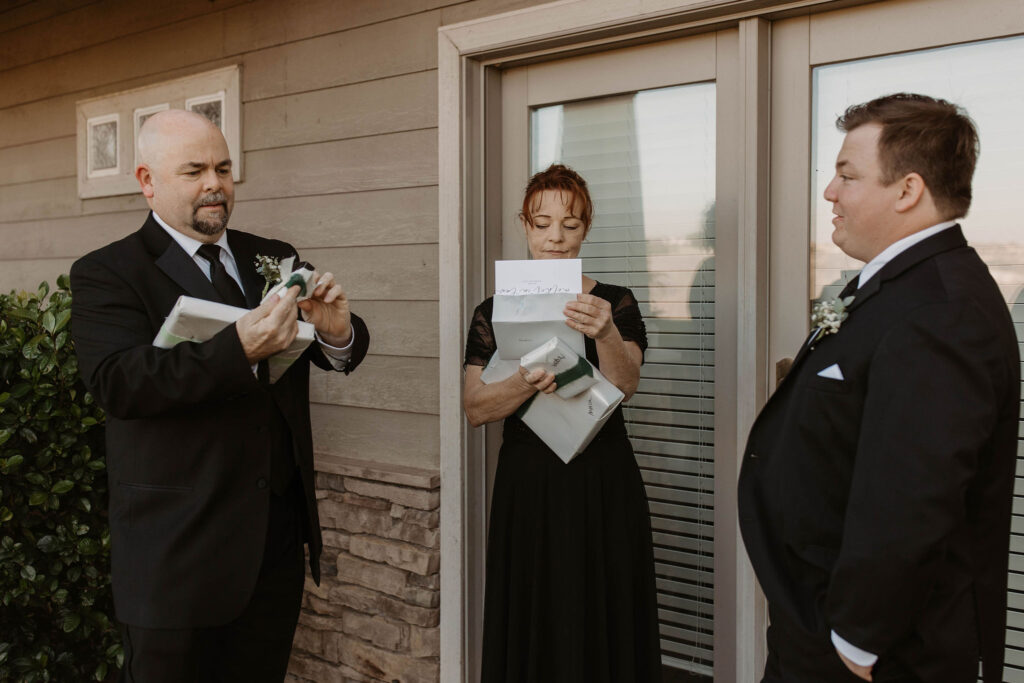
{"points": [[279, 274], [828, 315], [270, 268]]}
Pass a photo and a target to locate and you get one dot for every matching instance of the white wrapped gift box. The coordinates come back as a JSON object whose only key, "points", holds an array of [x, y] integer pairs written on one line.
{"points": [[567, 426], [573, 373], [197, 320]]}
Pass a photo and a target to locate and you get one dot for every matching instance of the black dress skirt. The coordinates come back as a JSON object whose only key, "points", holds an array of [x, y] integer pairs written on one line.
{"points": [[570, 594]]}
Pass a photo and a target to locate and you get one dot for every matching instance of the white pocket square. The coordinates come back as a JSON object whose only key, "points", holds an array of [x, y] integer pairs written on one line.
{"points": [[832, 372]]}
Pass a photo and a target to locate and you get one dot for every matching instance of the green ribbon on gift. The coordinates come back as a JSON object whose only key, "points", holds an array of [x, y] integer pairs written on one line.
{"points": [[526, 406], [583, 368], [296, 279]]}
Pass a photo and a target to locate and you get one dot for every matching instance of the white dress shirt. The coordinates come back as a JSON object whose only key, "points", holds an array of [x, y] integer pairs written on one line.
{"points": [[337, 356], [850, 651]]}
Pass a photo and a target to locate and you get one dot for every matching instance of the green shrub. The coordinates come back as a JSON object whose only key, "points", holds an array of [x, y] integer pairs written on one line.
{"points": [[55, 599]]}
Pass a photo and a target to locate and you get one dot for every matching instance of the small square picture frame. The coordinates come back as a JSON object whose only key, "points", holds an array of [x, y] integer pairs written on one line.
{"points": [[104, 145], [139, 117], [211, 106]]}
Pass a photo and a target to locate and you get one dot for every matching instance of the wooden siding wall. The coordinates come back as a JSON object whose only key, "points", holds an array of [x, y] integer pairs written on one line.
{"points": [[340, 141]]}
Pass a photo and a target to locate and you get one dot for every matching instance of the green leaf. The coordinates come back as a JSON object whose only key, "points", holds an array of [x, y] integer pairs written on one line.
{"points": [[31, 349], [62, 319], [49, 322], [5, 514], [48, 544], [88, 546], [63, 281], [28, 572], [71, 622], [101, 672], [62, 486], [14, 461], [37, 498]]}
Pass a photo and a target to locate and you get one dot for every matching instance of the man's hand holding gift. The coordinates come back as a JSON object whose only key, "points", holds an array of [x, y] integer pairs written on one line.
{"points": [[269, 328], [328, 310]]}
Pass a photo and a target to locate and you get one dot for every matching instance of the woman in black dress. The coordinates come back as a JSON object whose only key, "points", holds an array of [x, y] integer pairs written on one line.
{"points": [[570, 593]]}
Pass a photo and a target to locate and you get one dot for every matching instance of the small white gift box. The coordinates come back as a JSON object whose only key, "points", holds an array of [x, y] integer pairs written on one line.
{"points": [[303, 277], [567, 426], [197, 320], [573, 373]]}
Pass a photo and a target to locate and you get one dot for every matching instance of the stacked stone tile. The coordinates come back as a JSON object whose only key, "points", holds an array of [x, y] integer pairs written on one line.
{"points": [[375, 615]]}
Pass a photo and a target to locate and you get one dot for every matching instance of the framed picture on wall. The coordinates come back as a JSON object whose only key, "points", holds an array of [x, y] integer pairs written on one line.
{"points": [[102, 145], [107, 127], [210, 106]]}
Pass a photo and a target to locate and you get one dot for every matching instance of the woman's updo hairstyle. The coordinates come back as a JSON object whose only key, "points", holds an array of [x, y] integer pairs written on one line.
{"points": [[560, 178]]}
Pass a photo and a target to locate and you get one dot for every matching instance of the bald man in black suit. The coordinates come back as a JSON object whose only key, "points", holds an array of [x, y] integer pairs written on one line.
{"points": [[210, 465]]}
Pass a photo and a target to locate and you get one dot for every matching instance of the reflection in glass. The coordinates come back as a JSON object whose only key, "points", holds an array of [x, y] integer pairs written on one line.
{"points": [[649, 160], [987, 78]]}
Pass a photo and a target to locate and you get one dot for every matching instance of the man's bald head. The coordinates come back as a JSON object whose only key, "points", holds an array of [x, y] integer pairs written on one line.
{"points": [[185, 173], [164, 128]]}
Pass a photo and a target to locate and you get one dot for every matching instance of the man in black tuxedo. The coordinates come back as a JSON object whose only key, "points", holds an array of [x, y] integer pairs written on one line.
{"points": [[210, 465], [876, 485]]}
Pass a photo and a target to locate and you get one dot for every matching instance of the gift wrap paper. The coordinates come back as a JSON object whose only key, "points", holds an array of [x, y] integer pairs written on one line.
{"points": [[566, 426], [197, 320], [573, 373], [523, 322]]}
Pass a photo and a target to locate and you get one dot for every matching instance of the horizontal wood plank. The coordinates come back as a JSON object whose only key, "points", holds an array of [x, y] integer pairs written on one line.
{"points": [[34, 161], [266, 23], [192, 42], [27, 274], [66, 237], [42, 199], [388, 105], [19, 13], [381, 273], [401, 328], [375, 163], [399, 383], [399, 216], [377, 51], [98, 22], [380, 436], [465, 11]]}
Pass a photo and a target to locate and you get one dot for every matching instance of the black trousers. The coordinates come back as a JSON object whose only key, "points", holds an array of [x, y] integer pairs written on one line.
{"points": [[256, 646]]}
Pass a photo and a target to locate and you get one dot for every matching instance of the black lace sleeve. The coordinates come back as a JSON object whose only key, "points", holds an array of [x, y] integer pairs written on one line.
{"points": [[626, 316], [480, 344]]}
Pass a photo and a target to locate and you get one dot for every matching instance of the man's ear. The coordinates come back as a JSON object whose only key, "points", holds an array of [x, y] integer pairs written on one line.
{"points": [[910, 190], [145, 178]]}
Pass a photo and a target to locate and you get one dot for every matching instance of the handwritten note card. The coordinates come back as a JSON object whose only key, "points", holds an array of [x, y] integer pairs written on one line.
{"points": [[546, 276]]}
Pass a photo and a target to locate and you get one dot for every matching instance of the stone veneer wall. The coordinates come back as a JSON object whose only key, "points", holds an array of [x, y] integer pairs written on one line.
{"points": [[375, 615]]}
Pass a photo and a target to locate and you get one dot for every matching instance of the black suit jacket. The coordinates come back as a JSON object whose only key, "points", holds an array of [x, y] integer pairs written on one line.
{"points": [[878, 506], [188, 451]]}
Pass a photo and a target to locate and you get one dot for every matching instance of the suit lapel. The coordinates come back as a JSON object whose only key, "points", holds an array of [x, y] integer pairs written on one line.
{"points": [[946, 240], [175, 263], [951, 238]]}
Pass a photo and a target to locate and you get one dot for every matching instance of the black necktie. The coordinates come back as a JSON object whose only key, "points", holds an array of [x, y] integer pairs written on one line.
{"points": [[850, 287], [230, 292]]}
